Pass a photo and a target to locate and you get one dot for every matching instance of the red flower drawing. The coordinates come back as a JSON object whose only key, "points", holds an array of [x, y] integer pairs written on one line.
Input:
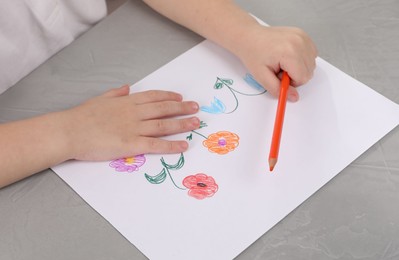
{"points": [[200, 186]]}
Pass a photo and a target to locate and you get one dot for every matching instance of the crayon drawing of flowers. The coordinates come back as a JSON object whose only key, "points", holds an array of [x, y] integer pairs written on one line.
{"points": [[221, 142], [129, 164], [218, 107], [200, 186]]}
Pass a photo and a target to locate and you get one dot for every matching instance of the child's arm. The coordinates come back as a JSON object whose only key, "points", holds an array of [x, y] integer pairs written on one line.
{"points": [[114, 125], [264, 50]]}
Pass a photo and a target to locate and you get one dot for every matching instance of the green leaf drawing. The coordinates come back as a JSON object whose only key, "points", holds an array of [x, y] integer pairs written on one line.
{"points": [[218, 85], [220, 82], [202, 124], [157, 179], [227, 81], [176, 166]]}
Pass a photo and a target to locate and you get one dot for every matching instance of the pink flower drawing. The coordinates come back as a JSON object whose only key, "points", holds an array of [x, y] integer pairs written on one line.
{"points": [[129, 164]]}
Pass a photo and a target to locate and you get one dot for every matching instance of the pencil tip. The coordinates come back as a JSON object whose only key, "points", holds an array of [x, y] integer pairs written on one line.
{"points": [[272, 163]]}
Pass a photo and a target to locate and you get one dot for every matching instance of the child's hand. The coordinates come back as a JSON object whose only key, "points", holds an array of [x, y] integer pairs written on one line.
{"points": [[265, 51], [116, 124], [268, 50]]}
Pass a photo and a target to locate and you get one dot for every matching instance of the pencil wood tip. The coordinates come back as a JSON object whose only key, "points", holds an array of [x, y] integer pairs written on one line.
{"points": [[272, 163]]}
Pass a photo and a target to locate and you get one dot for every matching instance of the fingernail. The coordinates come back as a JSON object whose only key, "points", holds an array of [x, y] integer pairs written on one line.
{"points": [[195, 121], [195, 106], [184, 146], [293, 97]]}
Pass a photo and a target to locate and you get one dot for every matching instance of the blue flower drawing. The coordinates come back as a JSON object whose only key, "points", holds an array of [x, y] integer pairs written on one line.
{"points": [[216, 107]]}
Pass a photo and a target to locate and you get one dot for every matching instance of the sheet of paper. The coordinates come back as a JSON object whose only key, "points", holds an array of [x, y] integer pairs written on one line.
{"points": [[215, 200]]}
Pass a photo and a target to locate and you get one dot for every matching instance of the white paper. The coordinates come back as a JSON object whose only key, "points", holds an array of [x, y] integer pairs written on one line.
{"points": [[336, 120]]}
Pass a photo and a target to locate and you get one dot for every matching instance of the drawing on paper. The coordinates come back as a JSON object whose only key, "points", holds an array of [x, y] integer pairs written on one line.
{"points": [[200, 186], [221, 142], [218, 107], [129, 164], [161, 177], [249, 79]]}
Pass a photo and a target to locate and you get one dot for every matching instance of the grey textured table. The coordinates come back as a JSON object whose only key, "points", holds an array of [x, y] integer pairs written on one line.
{"points": [[354, 216]]}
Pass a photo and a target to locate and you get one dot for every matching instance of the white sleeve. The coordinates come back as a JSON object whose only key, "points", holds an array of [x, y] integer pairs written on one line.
{"points": [[32, 31]]}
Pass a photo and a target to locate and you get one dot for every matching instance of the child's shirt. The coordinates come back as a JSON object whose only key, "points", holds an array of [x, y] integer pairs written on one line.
{"points": [[31, 31]]}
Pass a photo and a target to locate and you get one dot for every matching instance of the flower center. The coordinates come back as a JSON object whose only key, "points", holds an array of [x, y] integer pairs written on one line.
{"points": [[222, 142], [200, 184], [129, 160]]}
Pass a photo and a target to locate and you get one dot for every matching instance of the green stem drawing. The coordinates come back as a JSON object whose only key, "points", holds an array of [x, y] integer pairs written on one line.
{"points": [[235, 97], [228, 82], [199, 134], [218, 107], [173, 180], [161, 177], [202, 125]]}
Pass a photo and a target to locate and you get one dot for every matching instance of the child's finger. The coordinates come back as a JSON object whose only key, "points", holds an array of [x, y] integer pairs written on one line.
{"points": [[155, 96], [164, 127], [117, 92], [166, 109], [269, 80], [145, 145]]}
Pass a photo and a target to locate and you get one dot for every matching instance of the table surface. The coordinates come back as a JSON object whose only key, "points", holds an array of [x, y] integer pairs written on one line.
{"points": [[354, 216]]}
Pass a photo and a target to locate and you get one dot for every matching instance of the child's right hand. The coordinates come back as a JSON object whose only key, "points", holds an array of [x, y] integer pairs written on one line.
{"points": [[266, 51]]}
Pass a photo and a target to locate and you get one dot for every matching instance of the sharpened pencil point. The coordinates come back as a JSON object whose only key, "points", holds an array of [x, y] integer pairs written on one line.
{"points": [[272, 163]]}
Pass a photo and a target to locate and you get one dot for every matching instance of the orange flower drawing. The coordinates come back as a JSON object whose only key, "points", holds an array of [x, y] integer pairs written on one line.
{"points": [[221, 142]]}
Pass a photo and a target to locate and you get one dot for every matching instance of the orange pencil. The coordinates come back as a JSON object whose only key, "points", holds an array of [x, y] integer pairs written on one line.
{"points": [[278, 123]]}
